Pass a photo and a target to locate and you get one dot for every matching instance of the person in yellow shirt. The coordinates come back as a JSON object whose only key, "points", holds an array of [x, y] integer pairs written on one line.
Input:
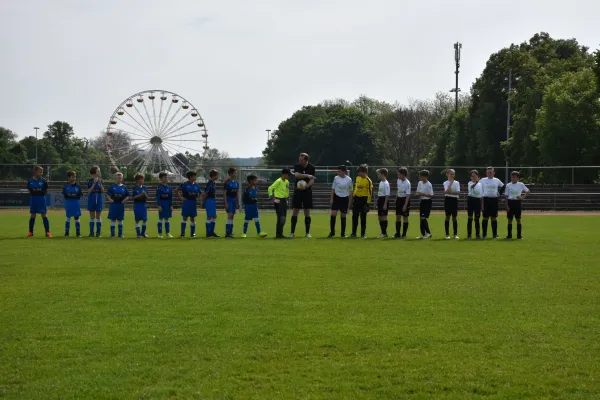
{"points": [[361, 201], [279, 192]]}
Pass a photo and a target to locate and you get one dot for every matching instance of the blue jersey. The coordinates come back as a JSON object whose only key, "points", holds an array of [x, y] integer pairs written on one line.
{"points": [[96, 186], [250, 196], [210, 189], [164, 194], [37, 187], [190, 191], [137, 190], [72, 192], [118, 193], [231, 188]]}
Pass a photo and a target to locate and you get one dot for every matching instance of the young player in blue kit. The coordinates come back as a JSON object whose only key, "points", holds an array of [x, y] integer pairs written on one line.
{"points": [[117, 194], [72, 194], [95, 200], [251, 206], [232, 203], [164, 200], [140, 211], [38, 187], [210, 203], [188, 192]]}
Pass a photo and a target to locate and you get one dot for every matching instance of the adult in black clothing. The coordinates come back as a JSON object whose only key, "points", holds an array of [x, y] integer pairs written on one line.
{"points": [[303, 171]]}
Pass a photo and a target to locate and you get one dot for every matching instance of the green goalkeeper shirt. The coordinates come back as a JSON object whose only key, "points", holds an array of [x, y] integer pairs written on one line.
{"points": [[280, 189]]}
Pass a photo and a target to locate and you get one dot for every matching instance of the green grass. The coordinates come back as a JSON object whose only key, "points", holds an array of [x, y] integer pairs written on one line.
{"points": [[302, 319]]}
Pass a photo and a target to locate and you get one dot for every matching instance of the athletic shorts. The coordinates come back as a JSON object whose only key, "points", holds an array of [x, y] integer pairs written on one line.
{"points": [[514, 209], [425, 208], [473, 206], [340, 204], [360, 204], [37, 205], [380, 203], [166, 212], [490, 207], [73, 208], [231, 205], [399, 204], [140, 211], [451, 206], [210, 204], [189, 208], [302, 199], [95, 202], [251, 212], [116, 212]]}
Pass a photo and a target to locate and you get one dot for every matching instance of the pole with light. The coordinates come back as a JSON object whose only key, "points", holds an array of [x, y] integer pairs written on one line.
{"points": [[268, 134], [508, 120], [456, 90], [36, 140]]}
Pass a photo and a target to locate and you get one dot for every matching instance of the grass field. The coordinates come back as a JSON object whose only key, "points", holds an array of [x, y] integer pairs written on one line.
{"points": [[301, 319]]}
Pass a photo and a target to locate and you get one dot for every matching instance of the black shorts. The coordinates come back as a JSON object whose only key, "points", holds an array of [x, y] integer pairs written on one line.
{"points": [[514, 209], [451, 206], [474, 206], [302, 199], [380, 203], [399, 204], [340, 204], [425, 207], [490, 207], [360, 204]]}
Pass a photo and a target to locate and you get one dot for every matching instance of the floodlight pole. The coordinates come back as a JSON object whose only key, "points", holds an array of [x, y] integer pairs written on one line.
{"points": [[456, 90], [508, 120], [36, 144], [268, 134]]}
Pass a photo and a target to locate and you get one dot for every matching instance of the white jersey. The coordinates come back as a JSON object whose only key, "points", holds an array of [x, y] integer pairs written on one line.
{"points": [[425, 188], [342, 186], [474, 190], [455, 188], [403, 188], [490, 186], [384, 189], [514, 190]]}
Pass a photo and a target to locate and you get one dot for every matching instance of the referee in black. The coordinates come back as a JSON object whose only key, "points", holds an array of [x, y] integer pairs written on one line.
{"points": [[303, 171]]}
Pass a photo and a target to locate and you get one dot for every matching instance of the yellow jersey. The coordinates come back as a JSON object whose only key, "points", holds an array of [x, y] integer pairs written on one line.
{"points": [[363, 188]]}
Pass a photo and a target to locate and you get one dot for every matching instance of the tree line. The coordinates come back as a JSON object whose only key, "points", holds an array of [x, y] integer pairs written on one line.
{"points": [[554, 118]]}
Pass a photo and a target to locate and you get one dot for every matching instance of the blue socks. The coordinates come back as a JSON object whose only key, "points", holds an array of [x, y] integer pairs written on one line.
{"points": [[67, 225], [31, 224], [92, 221], [246, 226], [98, 226], [183, 223], [160, 224], [167, 227], [229, 227], [112, 229], [192, 228], [140, 228], [46, 224], [257, 224], [120, 228]]}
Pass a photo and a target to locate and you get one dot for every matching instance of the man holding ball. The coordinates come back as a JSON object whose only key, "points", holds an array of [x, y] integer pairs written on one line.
{"points": [[305, 173]]}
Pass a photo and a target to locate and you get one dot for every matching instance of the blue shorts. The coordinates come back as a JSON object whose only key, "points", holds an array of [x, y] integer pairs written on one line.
{"points": [[140, 211], [166, 212], [251, 212], [116, 212], [189, 208], [211, 207], [72, 208], [95, 202], [37, 205], [231, 205]]}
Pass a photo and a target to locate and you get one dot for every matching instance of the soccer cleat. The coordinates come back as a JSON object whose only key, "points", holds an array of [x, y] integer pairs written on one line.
{"points": [[29, 234], [331, 235], [447, 237], [214, 235], [456, 237], [48, 235], [229, 236], [66, 234], [244, 235], [478, 237], [91, 235], [193, 236], [483, 237], [427, 236], [308, 235], [420, 237], [403, 237], [79, 235], [519, 237], [468, 238], [292, 236], [262, 235], [352, 236], [182, 236], [496, 237], [382, 236], [508, 237], [121, 237], [160, 236], [397, 236], [364, 237], [169, 236]]}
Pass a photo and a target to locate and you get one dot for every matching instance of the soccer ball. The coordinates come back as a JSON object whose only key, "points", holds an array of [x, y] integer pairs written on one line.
{"points": [[301, 184]]}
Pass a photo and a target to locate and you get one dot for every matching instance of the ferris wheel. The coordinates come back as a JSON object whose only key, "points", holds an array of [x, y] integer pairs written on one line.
{"points": [[152, 129]]}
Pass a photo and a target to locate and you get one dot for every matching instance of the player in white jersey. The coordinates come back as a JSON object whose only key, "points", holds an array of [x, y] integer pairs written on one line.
{"points": [[341, 196], [515, 193], [492, 188], [425, 193], [402, 203], [383, 200], [474, 196], [451, 193]]}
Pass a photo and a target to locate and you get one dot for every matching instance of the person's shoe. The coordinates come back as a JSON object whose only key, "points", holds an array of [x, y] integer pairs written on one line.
{"points": [[468, 238], [427, 236], [308, 235], [29, 234], [519, 237], [292, 236], [169, 236], [91, 235], [121, 237], [363, 236], [420, 237], [382, 236], [397, 236], [214, 235], [456, 237], [478, 237], [192, 236], [78, 235], [403, 237], [496, 237], [352, 236], [447, 237], [509, 237], [182, 236], [244, 235], [483, 237], [48, 235], [66, 234], [331, 235], [344, 237], [160, 236], [262, 235], [98, 235]]}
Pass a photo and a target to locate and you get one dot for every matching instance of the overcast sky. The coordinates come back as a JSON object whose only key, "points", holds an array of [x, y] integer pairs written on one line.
{"points": [[248, 65]]}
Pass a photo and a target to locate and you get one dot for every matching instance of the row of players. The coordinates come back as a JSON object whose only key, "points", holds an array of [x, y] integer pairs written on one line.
{"points": [[482, 195]]}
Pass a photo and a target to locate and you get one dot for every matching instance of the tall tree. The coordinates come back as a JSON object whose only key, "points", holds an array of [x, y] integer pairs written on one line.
{"points": [[60, 135]]}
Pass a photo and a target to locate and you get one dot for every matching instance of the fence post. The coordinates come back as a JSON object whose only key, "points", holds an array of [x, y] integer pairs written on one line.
{"points": [[530, 175], [572, 175]]}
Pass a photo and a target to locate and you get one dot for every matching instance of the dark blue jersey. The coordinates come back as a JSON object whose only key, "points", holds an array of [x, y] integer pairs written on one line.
{"points": [[250, 196], [137, 190], [72, 191], [37, 187], [118, 193], [231, 188], [96, 187], [190, 191], [164, 194], [210, 189]]}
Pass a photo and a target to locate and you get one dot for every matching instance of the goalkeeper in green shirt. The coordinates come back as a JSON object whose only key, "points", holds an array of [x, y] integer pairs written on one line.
{"points": [[279, 191]]}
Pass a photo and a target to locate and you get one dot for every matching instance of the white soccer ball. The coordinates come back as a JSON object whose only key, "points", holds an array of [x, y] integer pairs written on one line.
{"points": [[301, 184]]}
